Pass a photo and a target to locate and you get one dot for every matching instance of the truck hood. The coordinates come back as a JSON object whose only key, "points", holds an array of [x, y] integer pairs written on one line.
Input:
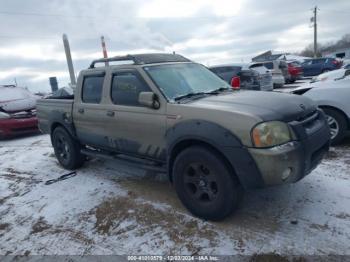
{"points": [[266, 105]]}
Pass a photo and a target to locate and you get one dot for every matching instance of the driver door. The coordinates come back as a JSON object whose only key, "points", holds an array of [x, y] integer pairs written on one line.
{"points": [[133, 128]]}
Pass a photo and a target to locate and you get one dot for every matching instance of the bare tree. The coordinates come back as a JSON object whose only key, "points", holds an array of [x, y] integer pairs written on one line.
{"points": [[344, 42]]}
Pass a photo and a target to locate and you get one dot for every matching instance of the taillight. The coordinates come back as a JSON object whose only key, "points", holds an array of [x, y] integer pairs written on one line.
{"points": [[236, 82]]}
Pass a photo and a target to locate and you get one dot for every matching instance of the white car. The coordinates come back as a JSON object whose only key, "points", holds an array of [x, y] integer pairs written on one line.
{"points": [[346, 66], [279, 70], [332, 75], [334, 98]]}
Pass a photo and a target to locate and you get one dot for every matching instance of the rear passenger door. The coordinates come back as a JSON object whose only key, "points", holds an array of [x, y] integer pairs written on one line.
{"points": [[131, 127], [316, 67], [88, 109], [307, 68]]}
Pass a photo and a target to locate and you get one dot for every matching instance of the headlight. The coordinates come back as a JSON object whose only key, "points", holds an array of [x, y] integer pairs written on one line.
{"points": [[4, 115], [272, 133]]}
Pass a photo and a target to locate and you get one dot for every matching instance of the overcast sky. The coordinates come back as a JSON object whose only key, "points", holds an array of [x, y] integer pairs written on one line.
{"points": [[210, 32]]}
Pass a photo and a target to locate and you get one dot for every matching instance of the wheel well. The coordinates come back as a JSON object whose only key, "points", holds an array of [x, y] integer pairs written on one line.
{"points": [[340, 112], [179, 147], [58, 124], [54, 126]]}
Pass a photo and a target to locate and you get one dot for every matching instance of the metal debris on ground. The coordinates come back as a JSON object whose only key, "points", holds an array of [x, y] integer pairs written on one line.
{"points": [[63, 177]]}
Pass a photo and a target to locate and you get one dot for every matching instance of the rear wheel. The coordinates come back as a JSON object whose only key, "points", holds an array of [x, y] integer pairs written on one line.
{"points": [[67, 150], [337, 125], [205, 184]]}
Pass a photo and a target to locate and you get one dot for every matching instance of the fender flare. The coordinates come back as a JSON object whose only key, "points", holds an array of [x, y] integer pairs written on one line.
{"points": [[57, 118], [222, 140]]}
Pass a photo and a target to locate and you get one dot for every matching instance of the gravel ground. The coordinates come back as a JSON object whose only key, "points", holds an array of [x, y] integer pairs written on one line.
{"points": [[108, 208]]}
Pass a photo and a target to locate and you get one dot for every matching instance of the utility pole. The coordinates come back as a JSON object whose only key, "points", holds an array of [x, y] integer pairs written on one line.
{"points": [[69, 60], [314, 20]]}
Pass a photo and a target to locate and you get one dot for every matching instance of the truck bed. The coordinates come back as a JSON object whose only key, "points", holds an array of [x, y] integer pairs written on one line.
{"points": [[51, 110]]}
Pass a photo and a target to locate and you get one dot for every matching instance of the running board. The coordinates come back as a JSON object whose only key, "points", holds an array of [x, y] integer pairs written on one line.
{"points": [[127, 160]]}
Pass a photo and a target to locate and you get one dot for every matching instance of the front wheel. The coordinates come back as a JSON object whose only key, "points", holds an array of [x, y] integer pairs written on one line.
{"points": [[205, 184], [337, 125], [67, 150]]}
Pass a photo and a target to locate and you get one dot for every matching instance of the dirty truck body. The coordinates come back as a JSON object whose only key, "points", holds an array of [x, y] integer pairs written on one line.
{"points": [[211, 140]]}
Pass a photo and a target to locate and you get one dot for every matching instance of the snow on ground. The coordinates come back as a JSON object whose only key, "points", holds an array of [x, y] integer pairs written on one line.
{"points": [[108, 208]]}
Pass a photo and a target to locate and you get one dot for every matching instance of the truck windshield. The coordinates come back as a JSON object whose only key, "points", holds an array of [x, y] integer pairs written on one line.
{"points": [[179, 80]]}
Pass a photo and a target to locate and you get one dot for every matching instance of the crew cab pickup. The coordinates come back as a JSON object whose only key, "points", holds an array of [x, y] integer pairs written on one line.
{"points": [[174, 114]]}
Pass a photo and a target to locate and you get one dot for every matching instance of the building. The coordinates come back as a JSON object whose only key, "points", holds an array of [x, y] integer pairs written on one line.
{"points": [[343, 53], [270, 55]]}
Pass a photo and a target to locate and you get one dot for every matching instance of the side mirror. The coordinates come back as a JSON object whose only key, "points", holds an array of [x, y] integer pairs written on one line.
{"points": [[149, 99]]}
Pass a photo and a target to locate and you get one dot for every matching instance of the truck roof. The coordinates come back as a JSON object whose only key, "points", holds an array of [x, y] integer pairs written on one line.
{"points": [[143, 59]]}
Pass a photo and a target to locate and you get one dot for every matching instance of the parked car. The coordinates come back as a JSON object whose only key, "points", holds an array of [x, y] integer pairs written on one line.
{"points": [[239, 75], [178, 116], [346, 66], [17, 112], [313, 67], [333, 98], [279, 70], [295, 71], [331, 75]]}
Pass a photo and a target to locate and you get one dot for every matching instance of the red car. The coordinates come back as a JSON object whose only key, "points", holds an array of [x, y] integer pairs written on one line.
{"points": [[18, 123], [295, 71], [17, 113]]}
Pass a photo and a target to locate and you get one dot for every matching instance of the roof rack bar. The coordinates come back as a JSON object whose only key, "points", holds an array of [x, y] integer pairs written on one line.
{"points": [[142, 59], [114, 59]]}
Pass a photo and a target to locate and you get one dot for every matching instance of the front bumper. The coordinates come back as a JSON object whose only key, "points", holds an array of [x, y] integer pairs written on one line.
{"points": [[291, 162], [18, 126]]}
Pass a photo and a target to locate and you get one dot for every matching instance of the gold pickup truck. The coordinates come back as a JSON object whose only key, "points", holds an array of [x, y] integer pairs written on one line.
{"points": [[165, 111]]}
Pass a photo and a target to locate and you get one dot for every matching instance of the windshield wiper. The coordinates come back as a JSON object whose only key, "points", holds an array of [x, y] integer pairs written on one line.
{"points": [[213, 92], [219, 90], [189, 95]]}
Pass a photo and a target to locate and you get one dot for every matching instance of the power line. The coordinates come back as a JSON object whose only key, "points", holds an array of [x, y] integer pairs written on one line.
{"points": [[43, 15], [27, 37], [10, 13], [335, 11]]}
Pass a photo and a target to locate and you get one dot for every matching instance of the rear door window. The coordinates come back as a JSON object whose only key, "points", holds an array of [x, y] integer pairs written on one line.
{"points": [[318, 61], [268, 65], [92, 89]]}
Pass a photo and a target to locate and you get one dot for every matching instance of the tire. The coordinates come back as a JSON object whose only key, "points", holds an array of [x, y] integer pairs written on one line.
{"points": [[205, 184], [278, 85], [325, 70], [337, 123], [67, 150]]}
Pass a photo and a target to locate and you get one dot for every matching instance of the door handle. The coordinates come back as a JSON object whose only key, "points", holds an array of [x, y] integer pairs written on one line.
{"points": [[110, 113], [81, 110]]}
